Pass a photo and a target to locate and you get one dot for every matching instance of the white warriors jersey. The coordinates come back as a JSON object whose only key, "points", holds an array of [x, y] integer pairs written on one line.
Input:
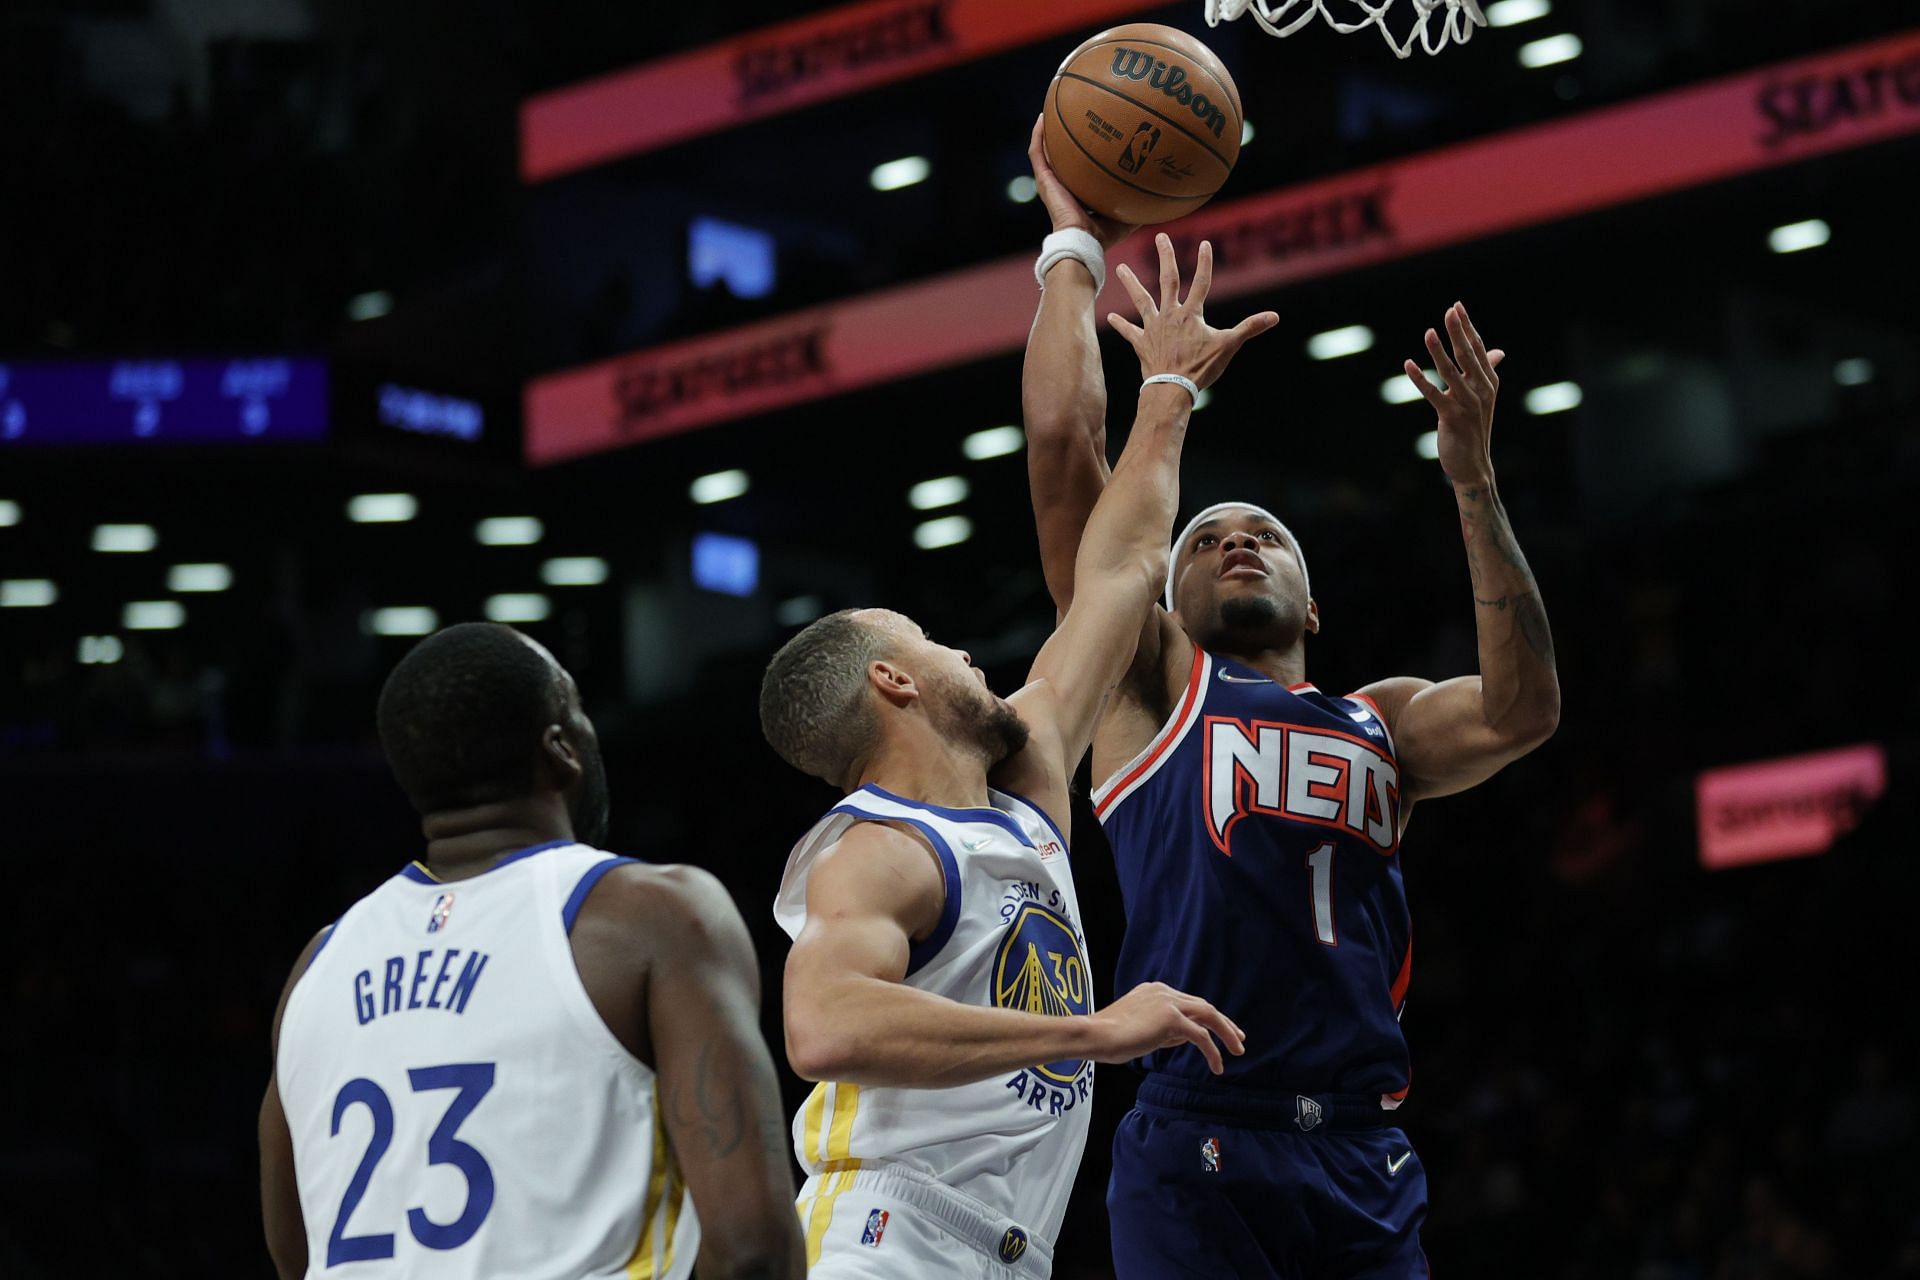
{"points": [[458, 1107], [1009, 936]]}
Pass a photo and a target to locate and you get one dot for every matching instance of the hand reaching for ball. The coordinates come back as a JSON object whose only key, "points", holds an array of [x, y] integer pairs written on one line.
{"points": [[1062, 205], [1173, 335]]}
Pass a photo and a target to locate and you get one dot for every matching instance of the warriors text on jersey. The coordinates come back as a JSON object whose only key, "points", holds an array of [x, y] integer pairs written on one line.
{"points": [[1257, 840], [457, 1105], [1005, 1149]]}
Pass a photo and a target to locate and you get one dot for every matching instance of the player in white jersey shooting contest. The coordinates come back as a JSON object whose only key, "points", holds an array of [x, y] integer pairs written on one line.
{"points": [[939, 987], [522, 1056]]}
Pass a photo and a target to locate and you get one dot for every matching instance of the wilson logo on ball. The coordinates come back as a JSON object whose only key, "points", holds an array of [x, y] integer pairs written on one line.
{"points": [[1133, 64]]}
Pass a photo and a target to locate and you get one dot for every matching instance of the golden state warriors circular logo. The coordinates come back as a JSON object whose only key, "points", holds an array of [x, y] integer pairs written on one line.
{"points": [[1040, 970]]}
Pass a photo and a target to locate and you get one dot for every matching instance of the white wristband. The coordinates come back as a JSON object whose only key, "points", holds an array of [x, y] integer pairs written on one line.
{"points": [[1177, 380], [1078, 245]]}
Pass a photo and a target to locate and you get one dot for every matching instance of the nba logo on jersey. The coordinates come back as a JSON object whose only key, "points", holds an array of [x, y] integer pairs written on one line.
{"points": [[876, 1227], [1210, 1156], [1306, 1113], [442, 908]]}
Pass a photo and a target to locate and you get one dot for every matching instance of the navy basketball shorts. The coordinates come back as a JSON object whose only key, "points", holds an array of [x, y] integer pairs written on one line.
{"points": [[1308, 1198]]}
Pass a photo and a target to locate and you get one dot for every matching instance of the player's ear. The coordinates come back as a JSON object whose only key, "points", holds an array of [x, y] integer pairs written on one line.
{"points": [[1313, 617], [891, 682], [559, 758]]}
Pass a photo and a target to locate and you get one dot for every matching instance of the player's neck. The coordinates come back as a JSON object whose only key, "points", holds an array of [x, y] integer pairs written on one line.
{"points": [[931, 771], [466, 842], [1284, 666]]}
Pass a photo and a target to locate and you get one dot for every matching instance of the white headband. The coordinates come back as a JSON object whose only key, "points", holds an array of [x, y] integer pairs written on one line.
{"points": [[1173, 558]]}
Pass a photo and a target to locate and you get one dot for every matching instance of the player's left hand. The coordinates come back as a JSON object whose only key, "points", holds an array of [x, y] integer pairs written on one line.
{"points": [[1173, 335], [1061, 204], [1466, 406]]}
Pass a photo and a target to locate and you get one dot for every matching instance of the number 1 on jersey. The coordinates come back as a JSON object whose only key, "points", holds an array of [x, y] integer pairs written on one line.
{"points": [[1320, 863]]}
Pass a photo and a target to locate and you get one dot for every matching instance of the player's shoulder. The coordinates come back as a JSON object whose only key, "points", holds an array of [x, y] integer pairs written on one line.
{"points": [[1389, 697], [642, 892]]}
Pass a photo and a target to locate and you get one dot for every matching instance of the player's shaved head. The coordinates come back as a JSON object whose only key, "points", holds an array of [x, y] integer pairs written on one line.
{"points": [[814, 708], [462, 716]]}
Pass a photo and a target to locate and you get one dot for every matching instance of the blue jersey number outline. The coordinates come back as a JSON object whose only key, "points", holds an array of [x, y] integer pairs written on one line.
{"points": [[473, 1080]]}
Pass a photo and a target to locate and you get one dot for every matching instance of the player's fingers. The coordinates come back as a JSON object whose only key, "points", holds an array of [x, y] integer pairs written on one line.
{"points": [[1494, 357], [1470, 359], [1473, 335], [1125, 327], [1434, 395], [1252, 326], [1037, 144], [1442, 362], [1137, 291], [1169, 272], [1202, 278], [1220, 1024], [1196, 1035]]}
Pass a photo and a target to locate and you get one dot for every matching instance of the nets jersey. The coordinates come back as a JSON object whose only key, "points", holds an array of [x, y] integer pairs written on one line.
{"points": [[458, 1107], [1009, 936], [1257, 841]]}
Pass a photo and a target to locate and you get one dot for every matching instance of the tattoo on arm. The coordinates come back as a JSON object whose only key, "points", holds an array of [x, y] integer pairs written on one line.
{"points": [[1484, 521], [718, 1118]]}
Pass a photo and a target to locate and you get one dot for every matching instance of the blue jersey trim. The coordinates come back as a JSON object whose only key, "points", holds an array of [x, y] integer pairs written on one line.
{"points": [[325, 938], [1044, 817], [923, 952], [420, 873], [993, 816], [578, 898]]}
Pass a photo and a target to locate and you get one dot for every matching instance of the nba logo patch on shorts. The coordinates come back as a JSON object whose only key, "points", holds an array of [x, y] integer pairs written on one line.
{"points": [[1210, 1156], [876, 1227]]}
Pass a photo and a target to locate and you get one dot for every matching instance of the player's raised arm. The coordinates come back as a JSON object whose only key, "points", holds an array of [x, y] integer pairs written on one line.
{"points": [[851, 1018], [1121, 562], [1456, 734], [1063, 391], [719, 1096]]}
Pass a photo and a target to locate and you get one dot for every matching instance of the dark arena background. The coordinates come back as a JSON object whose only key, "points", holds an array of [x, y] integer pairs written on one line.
{"points": [[660, 330]]}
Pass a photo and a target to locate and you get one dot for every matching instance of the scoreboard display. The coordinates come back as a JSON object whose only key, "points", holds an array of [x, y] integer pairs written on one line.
{"points": [[163, 401]]}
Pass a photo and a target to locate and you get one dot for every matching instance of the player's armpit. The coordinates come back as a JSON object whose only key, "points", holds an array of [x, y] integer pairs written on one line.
{"points": [[286, 1227], [719, 1097], [1441, 735]]}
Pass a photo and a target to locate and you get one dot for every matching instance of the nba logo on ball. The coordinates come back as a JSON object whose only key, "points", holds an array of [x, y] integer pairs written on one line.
{"points": [[1210, 1156], [876, 1227], [442, 908], [1012, 1245], [1306, 1113]]}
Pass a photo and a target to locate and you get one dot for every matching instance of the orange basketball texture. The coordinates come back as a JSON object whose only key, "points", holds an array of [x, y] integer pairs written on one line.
{"points": [[1143, 123]]}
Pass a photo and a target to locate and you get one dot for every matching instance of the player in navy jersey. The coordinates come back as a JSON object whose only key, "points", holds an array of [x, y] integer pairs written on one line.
{"points": [[1256, 824], [521, 1056]]}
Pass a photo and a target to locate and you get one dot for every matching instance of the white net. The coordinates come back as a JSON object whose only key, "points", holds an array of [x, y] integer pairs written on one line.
{"points": [[1436, 23]]}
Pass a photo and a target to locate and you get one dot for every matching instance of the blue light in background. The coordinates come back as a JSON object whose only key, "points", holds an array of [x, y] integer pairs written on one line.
{"points": [[726, 564], [430, 414], [725, 251]]}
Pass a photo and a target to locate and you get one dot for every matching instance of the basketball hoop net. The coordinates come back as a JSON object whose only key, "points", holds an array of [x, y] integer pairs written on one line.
{"points": [[1432, 28]]}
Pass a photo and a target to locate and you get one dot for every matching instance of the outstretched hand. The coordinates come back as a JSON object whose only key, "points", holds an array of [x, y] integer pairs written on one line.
{"points": [[1466, 406], [1156, 1016], [1173, 335], [1062, 205]]}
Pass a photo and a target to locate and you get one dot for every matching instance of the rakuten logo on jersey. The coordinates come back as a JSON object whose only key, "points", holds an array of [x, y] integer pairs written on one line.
{"points": [[1307, 775]]}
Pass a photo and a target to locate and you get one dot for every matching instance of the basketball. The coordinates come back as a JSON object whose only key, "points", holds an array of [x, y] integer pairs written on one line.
{"points": [[1143, 123]]}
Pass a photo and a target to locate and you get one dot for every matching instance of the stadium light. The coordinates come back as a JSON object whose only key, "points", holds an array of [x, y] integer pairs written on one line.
{"points": [[1427, 445], [9, 513], [994, 442], [799, 611], [1334, 343], [124, 537], [1246, 132], [1023, 189], [719, 486], [895, 174], [1856, 372], [518, 606], [184, 578], [947, 531], [1202, 400], [942, 492], [1511, 13], [382, 508], [1552, 51], [1798, 236], [154, 615], [100, 650], [400, 620], [369, 306], [574, 571], [1555, 397], [1397, 390], [27, 593], [509, 531]]}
